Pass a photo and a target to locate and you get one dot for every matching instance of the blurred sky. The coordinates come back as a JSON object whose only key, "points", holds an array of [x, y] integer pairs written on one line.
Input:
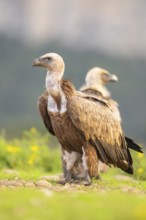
{"points": [[109, 34], [115, 27]]}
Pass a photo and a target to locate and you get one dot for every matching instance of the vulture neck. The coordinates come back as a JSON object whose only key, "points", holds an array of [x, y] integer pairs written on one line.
{"points": [[103, 90], [99, 88], [56, 98], [53, 83]]}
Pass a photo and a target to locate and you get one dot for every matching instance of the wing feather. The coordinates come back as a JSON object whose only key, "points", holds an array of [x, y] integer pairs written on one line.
{"points": [[42, 106], [100, 126]]}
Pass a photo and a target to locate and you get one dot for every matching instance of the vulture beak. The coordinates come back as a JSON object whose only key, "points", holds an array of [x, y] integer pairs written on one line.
{"points": [[113, 78], [36, 62]]}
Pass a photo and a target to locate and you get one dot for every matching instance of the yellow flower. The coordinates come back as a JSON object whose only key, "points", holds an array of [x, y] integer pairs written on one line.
{"points": [[140, 155], [34, 148], [32, 159], [140, 170], [12, 149], [33, 130]]}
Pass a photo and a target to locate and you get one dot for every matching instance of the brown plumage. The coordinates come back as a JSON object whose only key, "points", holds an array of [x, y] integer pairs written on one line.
{"points": [[42, 105], [81, 121], [95, 82]]}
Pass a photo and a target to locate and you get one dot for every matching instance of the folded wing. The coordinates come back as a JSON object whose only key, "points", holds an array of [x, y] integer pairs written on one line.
{"points": [[97, 121], [42, 106]]}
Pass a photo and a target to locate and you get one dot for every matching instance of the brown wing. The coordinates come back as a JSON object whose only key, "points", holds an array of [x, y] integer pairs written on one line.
{"points": [[42, 105], [97, 121], [92, 92]]}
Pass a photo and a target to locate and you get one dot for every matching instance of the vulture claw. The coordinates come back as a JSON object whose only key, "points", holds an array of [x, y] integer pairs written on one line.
{"points": [[87, 179], [61, 182], [67, 178], [86, 183]]}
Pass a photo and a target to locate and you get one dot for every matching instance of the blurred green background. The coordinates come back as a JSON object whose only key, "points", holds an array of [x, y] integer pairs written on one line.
{"points": [[109, 34]]}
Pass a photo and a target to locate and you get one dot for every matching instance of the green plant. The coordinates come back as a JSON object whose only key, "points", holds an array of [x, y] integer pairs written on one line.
{"points": [[31, 151]]}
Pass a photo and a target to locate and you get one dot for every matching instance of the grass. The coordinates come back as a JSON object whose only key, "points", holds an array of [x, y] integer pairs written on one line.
{"points": [[32, 158], [29, 204], [33, 150], [21, 174], [111, 198]]}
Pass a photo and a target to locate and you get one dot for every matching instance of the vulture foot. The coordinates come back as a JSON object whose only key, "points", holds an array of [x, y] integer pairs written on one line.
{"points": [[67, 178], [61, 182], [86, 183], [87, 179]]}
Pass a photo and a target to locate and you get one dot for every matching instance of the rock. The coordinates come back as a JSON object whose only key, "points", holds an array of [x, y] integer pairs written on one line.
{"points": [[54, 178], [29, 184], [3, 182], [66, 186], [9, 183], [43, 184], [14, 183], [131, 189], [124, 178]]}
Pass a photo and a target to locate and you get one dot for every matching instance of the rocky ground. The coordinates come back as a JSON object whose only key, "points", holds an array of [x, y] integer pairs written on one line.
{"points": [[50, 184]]}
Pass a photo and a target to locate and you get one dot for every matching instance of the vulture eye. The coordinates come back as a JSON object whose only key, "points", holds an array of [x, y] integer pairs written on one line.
{"points": [[105, 75], [49, 58]]}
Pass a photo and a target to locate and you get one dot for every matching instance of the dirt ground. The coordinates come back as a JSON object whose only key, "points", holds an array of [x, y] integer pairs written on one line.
{"points": [[50, 183]]}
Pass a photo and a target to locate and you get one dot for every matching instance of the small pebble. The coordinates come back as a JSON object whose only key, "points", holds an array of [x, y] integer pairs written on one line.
{"points": [[29, 184], [43, 184], [14, 183], [54, 178]]}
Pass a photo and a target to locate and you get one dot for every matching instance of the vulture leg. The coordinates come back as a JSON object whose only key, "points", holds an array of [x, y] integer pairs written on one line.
{"points": [[68, 176], [90, 162], [69, 159], [63, 162], [77, 169], [86, 166]]}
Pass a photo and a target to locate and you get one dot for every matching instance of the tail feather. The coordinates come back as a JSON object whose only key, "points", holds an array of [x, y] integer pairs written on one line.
{"points": [[122, 161], [132, 145], [125, 166], [129, 170]]}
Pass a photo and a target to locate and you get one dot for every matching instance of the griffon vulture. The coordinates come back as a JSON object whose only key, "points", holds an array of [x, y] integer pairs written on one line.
{"points": [[82, 123], [95, 82]]}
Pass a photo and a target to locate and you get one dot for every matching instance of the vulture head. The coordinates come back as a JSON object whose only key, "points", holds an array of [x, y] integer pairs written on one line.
{"points": [[52, 62], [99, 76], [96, 79]]}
